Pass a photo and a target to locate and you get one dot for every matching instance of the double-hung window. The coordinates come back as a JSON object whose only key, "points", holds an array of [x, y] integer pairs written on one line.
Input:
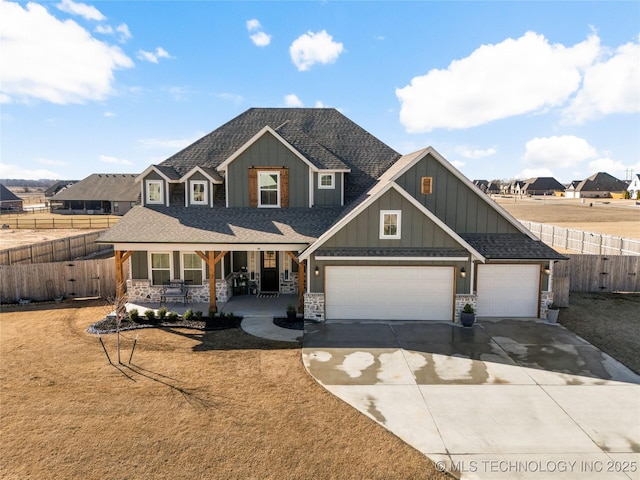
{"points": [[268, 189], [390, 223], [154, 191], [160, 268], [199, 192], [192, 268]]}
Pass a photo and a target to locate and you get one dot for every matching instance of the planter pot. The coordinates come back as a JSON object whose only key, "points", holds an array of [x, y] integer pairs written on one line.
{"points": [[467, 319], [291, 315], [552, 316]]}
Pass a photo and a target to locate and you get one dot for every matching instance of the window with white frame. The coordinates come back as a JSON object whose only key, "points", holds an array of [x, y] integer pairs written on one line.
{"points": [[192, 268], [154, 191], [199, 192], [268, 189], [326, 181], [160, 268], [390, 224]]}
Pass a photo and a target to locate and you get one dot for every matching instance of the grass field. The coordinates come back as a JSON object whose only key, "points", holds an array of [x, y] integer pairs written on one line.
{"points": [[192, 404]]}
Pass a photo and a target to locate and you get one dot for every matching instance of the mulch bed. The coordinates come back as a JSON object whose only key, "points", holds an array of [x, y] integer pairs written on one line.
{"points": [[109, 324], [297, 324]]}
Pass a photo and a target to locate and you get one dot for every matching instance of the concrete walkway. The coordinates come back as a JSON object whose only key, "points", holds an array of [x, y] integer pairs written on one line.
{"points": [[507, 399]]}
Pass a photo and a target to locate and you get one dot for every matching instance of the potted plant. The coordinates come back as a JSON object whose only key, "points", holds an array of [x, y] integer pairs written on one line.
{"points": [[552, 313], [468, 316], [291, 312]]}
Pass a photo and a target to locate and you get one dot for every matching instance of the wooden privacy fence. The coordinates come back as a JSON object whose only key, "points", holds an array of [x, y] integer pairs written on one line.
{"points": [[48, 281], [59, 250], [583, 242], [595, 273], [67, 222]]}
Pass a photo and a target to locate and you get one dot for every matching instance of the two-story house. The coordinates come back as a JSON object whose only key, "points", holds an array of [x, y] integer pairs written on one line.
{"points": [[305, 201]]}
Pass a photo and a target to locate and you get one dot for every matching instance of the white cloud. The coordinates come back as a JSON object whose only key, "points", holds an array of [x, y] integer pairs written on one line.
{"points": [[115, 160], [292, 100], [612, 167], [260, 39], [311, 48], [533, 173], [86, 11], [458, 164], [123, 30], [231, 97], [609, 87], [48, 161], [558, 152], [153, 56], [318, 104], [104, 29], [475, 153], [510, 78], [16, 171], [47, 59], [109, 114]]}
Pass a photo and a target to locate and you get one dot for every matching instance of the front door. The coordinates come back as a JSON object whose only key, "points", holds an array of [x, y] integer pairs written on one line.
{"points": [[269, 279]]}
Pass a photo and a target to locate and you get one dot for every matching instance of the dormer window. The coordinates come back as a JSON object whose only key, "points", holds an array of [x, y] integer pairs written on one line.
{"points": [[154, 192], [326, 181], [198, 192], [268, 189]]}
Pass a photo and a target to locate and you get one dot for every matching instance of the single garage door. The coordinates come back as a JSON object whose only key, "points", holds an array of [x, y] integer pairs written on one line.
{"points": [[508, 290], [389, 293]]}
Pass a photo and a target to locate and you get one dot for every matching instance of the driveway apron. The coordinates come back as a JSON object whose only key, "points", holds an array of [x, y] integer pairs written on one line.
{"points": [[505, 399]]}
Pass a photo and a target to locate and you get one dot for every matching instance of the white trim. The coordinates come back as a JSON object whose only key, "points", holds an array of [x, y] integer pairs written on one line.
{"points": [[150, 253], [331, 175], [147, 198], [398, 234], [153, 168], [202, 266], [311, 189], [277, 190], [399, 259], [195, 170], [191, 184]]}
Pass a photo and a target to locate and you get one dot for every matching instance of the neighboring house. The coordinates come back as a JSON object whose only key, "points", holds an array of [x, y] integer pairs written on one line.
{"points": [[58, 186], [570, 190], [517, 187], [305, 201], [100, 193], [601, 185], [493, 188], [634, 187], [481, 184], [9, 200], [542, 186]]}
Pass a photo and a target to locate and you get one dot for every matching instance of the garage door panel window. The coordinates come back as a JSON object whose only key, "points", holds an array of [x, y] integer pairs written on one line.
{"points": [[390, 224]]}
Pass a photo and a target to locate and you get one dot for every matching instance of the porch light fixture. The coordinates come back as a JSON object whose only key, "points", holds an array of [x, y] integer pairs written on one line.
{"points": [[316, 272], [463, 273], [547, 270]]}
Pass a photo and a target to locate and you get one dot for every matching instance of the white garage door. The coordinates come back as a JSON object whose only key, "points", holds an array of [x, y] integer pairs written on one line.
{"points": [[508, 290], [389, 293]]}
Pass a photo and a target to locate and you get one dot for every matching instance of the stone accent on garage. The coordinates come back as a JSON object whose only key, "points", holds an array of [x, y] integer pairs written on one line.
{"points": [[546, 299], [314, 306], [461, 301]]}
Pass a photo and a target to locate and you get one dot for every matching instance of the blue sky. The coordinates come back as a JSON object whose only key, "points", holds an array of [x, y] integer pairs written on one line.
{"points": [[501, 89]]}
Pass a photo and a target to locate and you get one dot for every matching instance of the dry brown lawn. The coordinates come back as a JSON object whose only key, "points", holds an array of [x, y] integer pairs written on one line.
{"points": [[610, 321], [613, 217], [191, 404]]}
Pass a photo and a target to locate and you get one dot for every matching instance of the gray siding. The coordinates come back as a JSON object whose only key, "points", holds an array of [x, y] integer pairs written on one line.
{"points": [[453, 202], [139, 265], [324, 197], [417, 230], [267, 152]]}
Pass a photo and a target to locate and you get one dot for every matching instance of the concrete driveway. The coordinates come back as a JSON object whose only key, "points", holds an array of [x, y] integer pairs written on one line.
{"points": [[505, 399]]}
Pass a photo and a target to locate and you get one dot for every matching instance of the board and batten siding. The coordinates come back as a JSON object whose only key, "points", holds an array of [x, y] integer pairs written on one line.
{"points": [[324, 197], [452, 201], [153, 175], [267, 152]]}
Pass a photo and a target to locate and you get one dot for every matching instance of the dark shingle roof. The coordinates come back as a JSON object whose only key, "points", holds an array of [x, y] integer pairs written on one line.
{"points": [[542, 184], [324, 136], [601, 182], [220, 225], [7, 195], [510, 246], [103, 186], [56, 187]]}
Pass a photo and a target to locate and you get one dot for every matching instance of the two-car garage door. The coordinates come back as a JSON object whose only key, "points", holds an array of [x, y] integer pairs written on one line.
{"points": [[389, 293]]}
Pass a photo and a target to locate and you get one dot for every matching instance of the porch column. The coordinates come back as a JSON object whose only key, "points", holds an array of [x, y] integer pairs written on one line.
{"points": [[211, 260], [300, 281], [120, 257]]}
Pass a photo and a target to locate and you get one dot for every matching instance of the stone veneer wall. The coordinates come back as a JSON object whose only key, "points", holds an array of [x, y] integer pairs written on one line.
{"points": [[289, 286], [143, 291], [461, 300], [314, 306], [546, 299]]}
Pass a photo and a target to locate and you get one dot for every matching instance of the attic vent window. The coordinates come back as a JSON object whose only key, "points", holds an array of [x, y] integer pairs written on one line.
{"points": [[426, 185]]}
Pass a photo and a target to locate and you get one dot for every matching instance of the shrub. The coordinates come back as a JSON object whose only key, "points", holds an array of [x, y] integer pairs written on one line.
{"points": [[134, 315], [162, 313], [468, 308], [198, 315], [150, 315], [172, 316], [188, 315]]}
